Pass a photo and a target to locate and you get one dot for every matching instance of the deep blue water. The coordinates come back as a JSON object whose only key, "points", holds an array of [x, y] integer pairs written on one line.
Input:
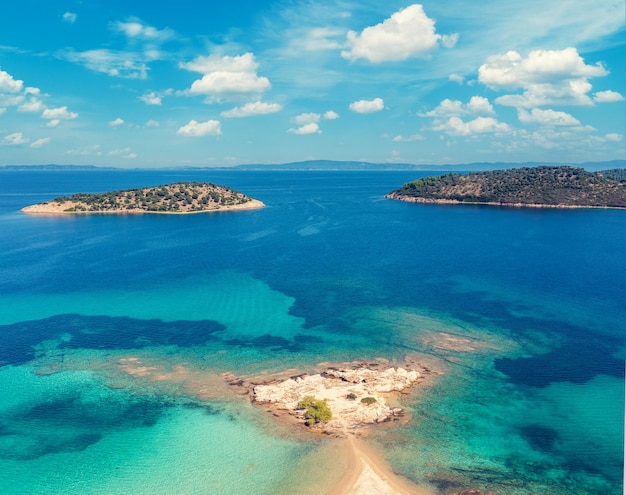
{"points": [[329, 270]]}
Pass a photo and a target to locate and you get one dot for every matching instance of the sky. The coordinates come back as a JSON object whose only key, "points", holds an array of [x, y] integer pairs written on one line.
{"points": [[139, 84]]}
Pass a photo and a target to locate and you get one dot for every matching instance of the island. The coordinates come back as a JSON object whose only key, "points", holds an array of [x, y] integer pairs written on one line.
{"points": [[179, 197], [543, 186]]}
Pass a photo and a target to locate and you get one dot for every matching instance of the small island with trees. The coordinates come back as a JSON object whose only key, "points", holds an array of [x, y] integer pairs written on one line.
{"points": [[543, 186], [179, 197]]}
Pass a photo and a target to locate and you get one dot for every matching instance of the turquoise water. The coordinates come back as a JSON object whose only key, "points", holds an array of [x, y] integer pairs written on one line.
{"points": [[114, 331]]}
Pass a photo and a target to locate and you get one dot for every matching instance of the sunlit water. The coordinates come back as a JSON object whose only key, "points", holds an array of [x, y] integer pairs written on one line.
{"points": [[114, 331]]}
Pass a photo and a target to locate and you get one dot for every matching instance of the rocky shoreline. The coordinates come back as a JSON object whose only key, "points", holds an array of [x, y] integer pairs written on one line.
{"points": [[358, 394]]}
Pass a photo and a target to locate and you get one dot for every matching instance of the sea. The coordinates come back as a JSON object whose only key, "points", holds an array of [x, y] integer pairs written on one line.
{"points": [[116, 332]]}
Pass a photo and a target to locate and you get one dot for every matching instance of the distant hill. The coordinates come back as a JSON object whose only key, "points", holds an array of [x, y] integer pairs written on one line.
{"points": [[528, 186], [333, 165]]}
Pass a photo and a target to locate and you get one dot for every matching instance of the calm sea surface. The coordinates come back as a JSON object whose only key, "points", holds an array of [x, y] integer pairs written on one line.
{"points": [[114, 331]]}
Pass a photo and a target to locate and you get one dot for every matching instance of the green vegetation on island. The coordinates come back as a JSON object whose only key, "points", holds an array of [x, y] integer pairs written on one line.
{"points": [[317, 411], [179, 197], [558, 186]]}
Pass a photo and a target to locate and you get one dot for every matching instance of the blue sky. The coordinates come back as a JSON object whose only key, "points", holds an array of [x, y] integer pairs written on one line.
{"points": [[161, 84]]}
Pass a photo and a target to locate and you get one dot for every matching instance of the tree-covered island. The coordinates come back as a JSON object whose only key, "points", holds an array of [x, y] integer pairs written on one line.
{"points": [[544, 186], [180, 197]]}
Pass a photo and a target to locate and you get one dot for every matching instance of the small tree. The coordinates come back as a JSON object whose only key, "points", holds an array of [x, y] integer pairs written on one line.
{"points": [[317, 411]]}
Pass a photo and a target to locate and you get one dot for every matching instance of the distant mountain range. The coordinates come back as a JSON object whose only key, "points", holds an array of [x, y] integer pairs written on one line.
{"points": [[332, 165], [468, 167]]}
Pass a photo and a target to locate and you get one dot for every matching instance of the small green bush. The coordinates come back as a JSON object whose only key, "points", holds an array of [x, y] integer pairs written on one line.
{"points": [[368, 400], [351, 396], [317, 411]]}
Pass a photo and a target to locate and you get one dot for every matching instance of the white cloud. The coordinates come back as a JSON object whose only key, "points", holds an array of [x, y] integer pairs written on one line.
{"points": [[32, 105], [310, 128], [53, 123], [476, 106], [227, 77], [134, 28], [607, 96], [15, 139], [407, 139], [8, 84], [251, 109], [60, 113], [70, 17], [306, 118], [330, 115], [406, 34], [124, 153], [126, 65], [194, 128], [151, 98], [2, 110], [117, 122], [39, 142], [480, 125], [547, 77], [152, 123], [367, 106], [456, 78], [546, 117]]}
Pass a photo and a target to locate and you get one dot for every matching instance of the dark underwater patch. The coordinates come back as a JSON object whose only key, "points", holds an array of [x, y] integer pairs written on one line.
{"points": [[574, 362], [539, 437], [17, 341], [72, 422]]}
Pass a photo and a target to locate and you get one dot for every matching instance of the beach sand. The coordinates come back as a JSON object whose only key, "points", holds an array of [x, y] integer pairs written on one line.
{"points": [[369, 474]]}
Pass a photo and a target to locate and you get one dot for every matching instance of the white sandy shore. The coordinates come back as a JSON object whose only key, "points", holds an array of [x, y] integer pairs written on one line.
{"points": [[369, 474], [54, 208]]}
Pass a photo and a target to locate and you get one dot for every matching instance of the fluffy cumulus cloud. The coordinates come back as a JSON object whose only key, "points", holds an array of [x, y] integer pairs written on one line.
{"points": [[8, 84], [310, 128], [480, 125], [447, 117], [607, 96], [406, 34], [151, 98], [228, 78], [116, 122], [477, 105], [57, 114], [32, 105], [367, 106], [546, 117], [546, 77], [197, 129], [309, 122], [251, 109]]}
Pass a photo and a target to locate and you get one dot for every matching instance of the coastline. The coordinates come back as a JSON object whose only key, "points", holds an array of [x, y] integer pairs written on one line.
{"points": [[59, 209], [411, 199]]}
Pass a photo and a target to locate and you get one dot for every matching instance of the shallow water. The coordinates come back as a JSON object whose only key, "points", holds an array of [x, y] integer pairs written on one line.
{"points": [[532, 402]]}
